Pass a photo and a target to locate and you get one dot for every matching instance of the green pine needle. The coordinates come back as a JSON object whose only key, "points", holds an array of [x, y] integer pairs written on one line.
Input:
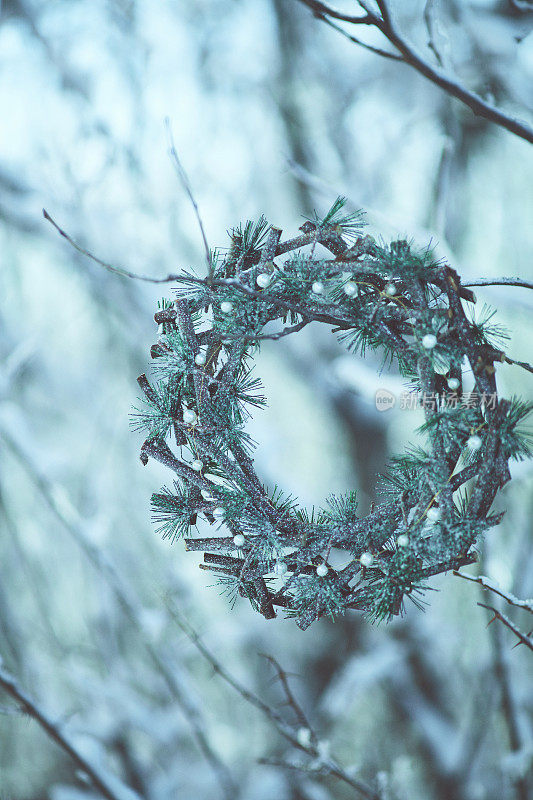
{"points": [[347, 224]]}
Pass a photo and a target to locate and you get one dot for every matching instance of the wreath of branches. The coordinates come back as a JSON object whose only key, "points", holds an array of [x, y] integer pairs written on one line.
{"points": [[389, 297]]}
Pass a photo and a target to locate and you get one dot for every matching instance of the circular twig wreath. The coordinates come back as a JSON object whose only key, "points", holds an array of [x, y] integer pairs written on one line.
{"points": [[392, 298]]}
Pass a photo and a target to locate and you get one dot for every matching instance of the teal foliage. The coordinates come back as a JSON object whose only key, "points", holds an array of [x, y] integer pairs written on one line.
{"points": [[172, 511]]}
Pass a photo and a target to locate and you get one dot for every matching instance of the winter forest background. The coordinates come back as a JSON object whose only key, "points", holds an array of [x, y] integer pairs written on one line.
{"points": [[272, 112]]}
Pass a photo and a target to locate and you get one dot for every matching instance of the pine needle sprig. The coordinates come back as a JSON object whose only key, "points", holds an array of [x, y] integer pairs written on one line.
{"points": [[349, 224]]}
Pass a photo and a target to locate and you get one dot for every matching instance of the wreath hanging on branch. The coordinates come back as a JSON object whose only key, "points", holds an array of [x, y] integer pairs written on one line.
{"points": [[392, 298]]}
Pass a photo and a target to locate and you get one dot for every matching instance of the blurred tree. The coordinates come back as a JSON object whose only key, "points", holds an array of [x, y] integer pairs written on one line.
{"points": [[411, 711]]}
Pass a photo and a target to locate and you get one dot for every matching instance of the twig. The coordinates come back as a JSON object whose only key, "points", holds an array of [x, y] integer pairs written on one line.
{"points": [[124, 273], [282, 676], [524, 638], [500, 282], [434, 74], [29, 706], [286, 730], [128, 606], [187, 186], [285, 332], [522, 364], [429, 19], [319, 9], [509, 707], [319, 768], [377, 50], [486, 583]]}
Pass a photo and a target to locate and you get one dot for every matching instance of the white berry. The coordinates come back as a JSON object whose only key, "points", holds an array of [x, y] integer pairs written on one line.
{"points": [[390, 289], [238, 539], [318, 287], [350, 288], [454, 383], [429, 341], [197, 465], [304, 737], [190, 416], [321, 570], [200, 359], [474, 443], [226, 307], [263, 280], [402, 540], [433, 514], [219, 512], [366, 560], [280, 568]]}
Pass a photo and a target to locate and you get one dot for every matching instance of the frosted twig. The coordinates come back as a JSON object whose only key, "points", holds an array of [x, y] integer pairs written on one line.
{"points": [[509, 706], [286, 730], [449, 83], [124, 273], [52, 729], [524, 638], [522, 364], [486, 583], [429, 19], [187, 186], [282, 676], [129, 606], [500, 282]]}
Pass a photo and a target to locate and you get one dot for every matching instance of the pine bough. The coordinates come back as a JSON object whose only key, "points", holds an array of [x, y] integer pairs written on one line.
{"points": [[437, 500]]}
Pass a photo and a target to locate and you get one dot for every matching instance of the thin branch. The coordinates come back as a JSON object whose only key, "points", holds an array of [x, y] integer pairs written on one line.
{"points": [[500, 282], [377, 50], [509, 707], [486, 583], [124, 273], [30, 707], [524, 638], [436, 75], [128, 604], [320, 9], [282, 676], [285, 332], [522, 364], [429, 19], [286, 730], [319, 768], [187, 186]]}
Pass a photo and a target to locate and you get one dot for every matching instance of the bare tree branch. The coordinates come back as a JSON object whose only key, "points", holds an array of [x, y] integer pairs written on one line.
{"points": [[188, 189], [282, 676], [29, 706], [429, 19], [500, 282], [124, 273], [330, 766], [486, 583], [524, 638], [377, 50], [129, 606], [410, 56], [511, 713]]}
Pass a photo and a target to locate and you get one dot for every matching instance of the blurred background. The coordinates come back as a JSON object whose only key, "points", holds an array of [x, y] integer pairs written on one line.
{"points": [[272, 112]]}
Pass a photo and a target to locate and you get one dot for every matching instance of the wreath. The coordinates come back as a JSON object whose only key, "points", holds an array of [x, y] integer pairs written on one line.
{"points": [[436, 501]]}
